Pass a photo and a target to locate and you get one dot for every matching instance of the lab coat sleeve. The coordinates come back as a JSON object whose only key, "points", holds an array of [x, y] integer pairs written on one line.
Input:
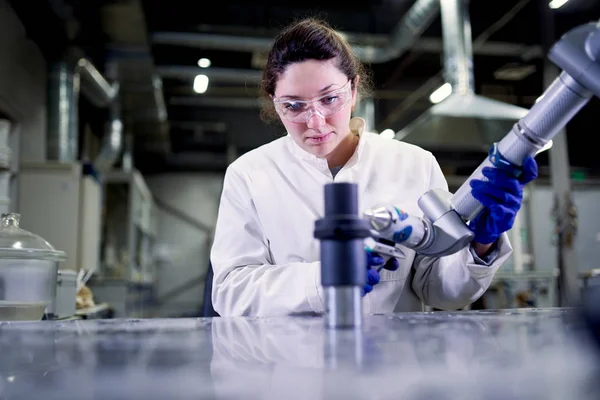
{"points": [[455, 281], [245, 280]]}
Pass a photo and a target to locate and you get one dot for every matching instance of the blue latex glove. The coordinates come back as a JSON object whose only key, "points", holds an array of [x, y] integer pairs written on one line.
{"points": [[374, 264], [501, 196]]}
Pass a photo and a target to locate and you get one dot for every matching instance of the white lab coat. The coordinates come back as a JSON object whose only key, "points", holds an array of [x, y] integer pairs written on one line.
{"points": [[264, 255]]}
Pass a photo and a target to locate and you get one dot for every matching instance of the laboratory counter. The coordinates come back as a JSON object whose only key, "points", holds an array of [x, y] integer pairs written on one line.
{"points": [[505, 354]]}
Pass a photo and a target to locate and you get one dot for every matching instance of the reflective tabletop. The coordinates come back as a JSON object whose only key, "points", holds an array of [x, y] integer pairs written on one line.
{"points": [[506, 354]]}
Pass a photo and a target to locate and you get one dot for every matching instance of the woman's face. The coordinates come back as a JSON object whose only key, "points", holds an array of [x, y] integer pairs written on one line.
{"points": [[314, 100]]}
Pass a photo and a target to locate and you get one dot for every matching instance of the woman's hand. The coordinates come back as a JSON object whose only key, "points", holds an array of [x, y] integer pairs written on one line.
{"points": [[502, 196]]}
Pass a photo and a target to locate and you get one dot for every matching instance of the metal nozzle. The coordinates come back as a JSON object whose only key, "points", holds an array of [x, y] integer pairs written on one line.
{"points": [[378, 218]]}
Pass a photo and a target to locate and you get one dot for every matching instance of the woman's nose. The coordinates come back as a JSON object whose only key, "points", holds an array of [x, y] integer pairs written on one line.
{"points": [[315, 120]]}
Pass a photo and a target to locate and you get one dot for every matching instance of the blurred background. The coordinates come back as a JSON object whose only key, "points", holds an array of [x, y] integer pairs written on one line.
{"points": [[118, 119]]}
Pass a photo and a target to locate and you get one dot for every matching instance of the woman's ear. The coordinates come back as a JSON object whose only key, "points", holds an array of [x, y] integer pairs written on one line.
{"points": [[354, 84]]}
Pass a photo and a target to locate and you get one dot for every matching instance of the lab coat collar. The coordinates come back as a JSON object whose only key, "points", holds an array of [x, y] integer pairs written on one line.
{"points": [[357, 127]]}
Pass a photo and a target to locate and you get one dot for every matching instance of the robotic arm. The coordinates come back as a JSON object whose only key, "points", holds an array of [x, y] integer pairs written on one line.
{"points": [[444, 231]]}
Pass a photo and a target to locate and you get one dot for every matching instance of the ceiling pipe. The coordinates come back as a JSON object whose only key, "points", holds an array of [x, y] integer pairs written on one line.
{"points": [[67, 79], [414, 22], [113, 140], [94, 85]]}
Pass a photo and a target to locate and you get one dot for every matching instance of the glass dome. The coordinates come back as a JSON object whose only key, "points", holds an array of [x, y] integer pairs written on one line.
{"points": [[19, 243]]}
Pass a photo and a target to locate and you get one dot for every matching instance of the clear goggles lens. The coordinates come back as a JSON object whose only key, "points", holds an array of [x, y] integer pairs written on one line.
{"points": [[301, 110]]}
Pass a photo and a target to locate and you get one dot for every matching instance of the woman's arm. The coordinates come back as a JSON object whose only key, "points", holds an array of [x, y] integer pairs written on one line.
{"points": [[455, 281], [246, 282]]}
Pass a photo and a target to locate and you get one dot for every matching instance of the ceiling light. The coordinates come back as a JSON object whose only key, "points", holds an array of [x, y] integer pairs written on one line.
{"points": [[200, 83], [204, 63], [441, 93], [388, 134], [554, 4]]}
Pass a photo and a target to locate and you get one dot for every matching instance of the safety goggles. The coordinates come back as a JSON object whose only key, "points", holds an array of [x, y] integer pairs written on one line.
{"points": [[300, 111]]}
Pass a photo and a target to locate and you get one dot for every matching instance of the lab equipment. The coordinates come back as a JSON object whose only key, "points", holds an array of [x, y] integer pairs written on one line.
{"points": [[63, 305], [341, 233], [385, 248], [28, 272], [444, 229]]}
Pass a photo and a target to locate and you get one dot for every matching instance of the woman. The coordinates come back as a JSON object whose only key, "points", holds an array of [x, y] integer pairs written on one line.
{"points": [[264, 256]]}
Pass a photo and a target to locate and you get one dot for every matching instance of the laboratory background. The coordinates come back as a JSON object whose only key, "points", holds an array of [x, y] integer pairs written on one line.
{"points": [[118, 120]]}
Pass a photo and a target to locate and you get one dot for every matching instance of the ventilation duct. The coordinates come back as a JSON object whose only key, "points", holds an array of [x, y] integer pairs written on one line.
{"points": [[67, 80], [463, 121], [112, 143]]}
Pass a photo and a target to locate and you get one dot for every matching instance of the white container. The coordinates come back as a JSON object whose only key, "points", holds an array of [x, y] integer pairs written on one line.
{"points": [[5, 184], [4, 132], [4, 205], [28, 271], [66, 292], [5, 157]]}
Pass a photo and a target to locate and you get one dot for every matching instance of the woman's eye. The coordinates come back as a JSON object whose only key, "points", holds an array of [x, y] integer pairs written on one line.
{"points": [[294, 106], [330, 99]]}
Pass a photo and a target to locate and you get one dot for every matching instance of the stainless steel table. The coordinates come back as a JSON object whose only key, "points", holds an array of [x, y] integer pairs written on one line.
{"points": [[512, 354]]}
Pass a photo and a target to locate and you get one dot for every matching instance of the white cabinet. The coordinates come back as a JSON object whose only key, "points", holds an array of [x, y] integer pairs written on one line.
{"points": [[129, 228], [62, 205], [127, 273], [5, 166]]}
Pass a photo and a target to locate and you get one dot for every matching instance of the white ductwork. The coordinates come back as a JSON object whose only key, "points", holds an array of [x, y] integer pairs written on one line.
{"points": [[67, 79], [414, 22], [412, 25], [63, 96], [112, 142], [463, 121], [94, 85]]}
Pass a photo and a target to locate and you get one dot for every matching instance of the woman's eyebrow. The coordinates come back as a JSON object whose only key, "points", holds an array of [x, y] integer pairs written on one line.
{"points": [[292, 97]]}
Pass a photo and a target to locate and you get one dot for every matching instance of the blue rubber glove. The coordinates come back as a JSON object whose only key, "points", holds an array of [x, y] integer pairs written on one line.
{"points": [[501, 195], [374, 264]]}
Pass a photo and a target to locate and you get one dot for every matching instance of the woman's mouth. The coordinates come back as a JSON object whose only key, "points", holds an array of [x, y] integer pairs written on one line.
{"points": [[318, 139]]}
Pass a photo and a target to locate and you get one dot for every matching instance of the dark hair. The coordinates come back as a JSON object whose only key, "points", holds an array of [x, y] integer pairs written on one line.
{"points": [[309, 39]]}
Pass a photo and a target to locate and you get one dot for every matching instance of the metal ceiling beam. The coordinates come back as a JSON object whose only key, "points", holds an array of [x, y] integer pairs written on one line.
{"points": [[205, 125], [410, 27], [220, 37], [212, 41], [225, 102], [232, 75], [497, 49]]}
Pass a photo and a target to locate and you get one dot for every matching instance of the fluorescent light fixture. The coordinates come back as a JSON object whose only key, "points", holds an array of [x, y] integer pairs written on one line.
{"points": [[546, 147], [554, 4], [204, 63], [441, 93], [388, 134], [200, 83]]}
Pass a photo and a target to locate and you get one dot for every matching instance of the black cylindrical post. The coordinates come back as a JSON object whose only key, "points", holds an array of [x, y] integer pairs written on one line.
{"points": [[343, 260]]}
